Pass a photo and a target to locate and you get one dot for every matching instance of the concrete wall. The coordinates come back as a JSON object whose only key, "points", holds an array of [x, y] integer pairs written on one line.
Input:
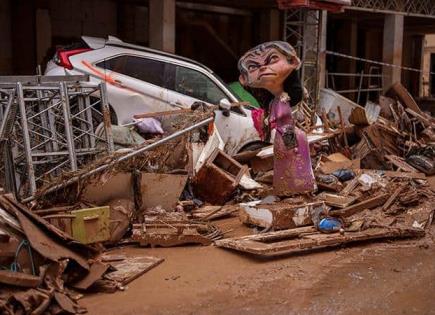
{"points": [[429, 48]]}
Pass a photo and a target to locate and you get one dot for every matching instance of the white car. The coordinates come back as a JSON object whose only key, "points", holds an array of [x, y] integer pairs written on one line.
{"points": [[141, 80]]}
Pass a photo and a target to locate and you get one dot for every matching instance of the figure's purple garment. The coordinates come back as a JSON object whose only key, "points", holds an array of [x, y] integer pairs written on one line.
{"points": [[292, 170]]}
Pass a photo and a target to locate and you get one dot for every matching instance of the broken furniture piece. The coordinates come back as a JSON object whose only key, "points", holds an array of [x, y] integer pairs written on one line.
{"points": [[218, 178], [308, 238], [130, 268], [167, 233], [279, 216]]}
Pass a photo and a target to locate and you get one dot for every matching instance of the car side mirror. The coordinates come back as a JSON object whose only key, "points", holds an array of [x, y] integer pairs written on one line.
{"points": [[225, 106]]}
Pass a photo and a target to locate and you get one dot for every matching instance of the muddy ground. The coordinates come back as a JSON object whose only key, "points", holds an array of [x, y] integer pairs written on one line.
{"points": [[369, 278]]}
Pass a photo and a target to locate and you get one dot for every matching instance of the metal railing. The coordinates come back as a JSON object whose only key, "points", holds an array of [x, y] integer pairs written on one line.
{"points": [[49, 127], [360, 88], [419, 8]]}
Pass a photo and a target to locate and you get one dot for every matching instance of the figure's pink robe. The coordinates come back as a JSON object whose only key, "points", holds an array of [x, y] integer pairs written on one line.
{"points": [[292, 171]]}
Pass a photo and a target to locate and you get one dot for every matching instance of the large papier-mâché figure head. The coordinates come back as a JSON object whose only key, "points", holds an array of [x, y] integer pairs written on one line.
{"points": [[268, 65]]}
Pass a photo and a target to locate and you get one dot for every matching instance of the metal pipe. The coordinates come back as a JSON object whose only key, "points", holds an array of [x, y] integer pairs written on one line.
{"points": [[68, 128], [123, 158], [26, 139]]}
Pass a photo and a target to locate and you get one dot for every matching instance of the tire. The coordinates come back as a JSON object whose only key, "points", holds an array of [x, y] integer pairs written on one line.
{"points": [[253, 146]]}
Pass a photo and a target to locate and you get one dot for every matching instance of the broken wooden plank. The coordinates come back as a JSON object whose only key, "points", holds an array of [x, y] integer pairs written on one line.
{"points": [[214, 212], [366, 204], [277, 216], [337, 200], [218, 178], [410, 175], [351, 185], [96, 272], [425, 120], [132, 268], [405, 175], [404, 97], [392, 198], [400, 163], [19, 279], [306, 239]]}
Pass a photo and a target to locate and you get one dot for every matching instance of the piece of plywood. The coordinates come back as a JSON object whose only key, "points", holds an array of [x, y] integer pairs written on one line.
{"points": [[106, 188], [131, 268], [157, 189], [162, 189], [306, 239]]}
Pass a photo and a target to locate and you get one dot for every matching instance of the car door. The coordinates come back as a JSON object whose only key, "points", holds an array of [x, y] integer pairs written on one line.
{"points": [[186, 86], [136, 85]]}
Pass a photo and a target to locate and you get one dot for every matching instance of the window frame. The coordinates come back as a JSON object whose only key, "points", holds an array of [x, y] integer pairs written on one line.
{"points": [[167, 60]]}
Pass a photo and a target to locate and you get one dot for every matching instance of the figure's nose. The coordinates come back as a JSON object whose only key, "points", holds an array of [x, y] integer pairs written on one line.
{"points": [[263, 68]]}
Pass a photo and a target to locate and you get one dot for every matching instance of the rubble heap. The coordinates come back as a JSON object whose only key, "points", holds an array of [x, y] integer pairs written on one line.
{"points": [[372, 166]]}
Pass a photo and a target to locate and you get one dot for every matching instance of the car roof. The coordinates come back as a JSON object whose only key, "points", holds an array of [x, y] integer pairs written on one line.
{"points": [[98, 42]]}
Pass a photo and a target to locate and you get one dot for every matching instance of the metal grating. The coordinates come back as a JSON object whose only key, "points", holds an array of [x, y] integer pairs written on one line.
{"points": [[302, 30], [49, 129], [420, 8]]}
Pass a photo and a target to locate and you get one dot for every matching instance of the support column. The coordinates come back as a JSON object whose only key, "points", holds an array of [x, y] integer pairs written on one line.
{"points": [[353, 51], [323, 24], [43, 35], [393, 48], [162, 25], [270, 21]]}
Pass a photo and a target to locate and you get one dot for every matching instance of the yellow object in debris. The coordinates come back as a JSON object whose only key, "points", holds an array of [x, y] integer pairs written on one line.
{"points": [[91, 225]]}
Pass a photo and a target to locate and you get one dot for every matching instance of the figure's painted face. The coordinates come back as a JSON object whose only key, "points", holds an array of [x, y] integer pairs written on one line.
{"points": [[267, 69]]}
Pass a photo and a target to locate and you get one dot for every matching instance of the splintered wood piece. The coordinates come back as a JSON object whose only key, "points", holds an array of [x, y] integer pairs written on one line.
{"points": [[350, 186], [132, 268], [405, 175], [307, 238], [402, 93], [337, 200], [425, 120], [366, 204], [393, 198], [400, 163]]}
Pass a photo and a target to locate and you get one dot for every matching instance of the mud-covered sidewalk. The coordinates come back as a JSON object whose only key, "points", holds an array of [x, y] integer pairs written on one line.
{"points": [[370, 278]]}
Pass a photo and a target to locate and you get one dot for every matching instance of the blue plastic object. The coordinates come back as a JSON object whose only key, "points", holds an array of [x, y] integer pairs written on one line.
{"points": [[344, 174], [329, 225]]}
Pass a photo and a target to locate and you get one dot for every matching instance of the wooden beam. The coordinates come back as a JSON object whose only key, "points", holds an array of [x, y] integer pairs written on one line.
{"points": [[366, 204]]}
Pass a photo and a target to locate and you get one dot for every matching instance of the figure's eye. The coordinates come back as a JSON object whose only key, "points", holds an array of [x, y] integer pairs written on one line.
{"points": [[252, 67], [274, 58]]}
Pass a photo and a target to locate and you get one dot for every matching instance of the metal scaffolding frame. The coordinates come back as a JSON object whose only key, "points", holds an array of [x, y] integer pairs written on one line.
{"points": [[49, 127], [418, 8], [303, 29]]}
